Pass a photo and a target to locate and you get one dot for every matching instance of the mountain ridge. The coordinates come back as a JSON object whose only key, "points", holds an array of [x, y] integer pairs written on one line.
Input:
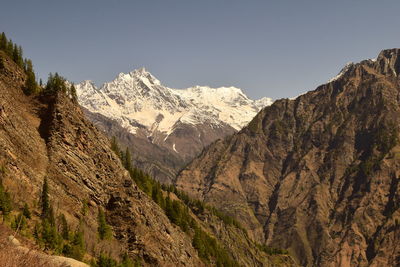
{"points": [[317, 175]]}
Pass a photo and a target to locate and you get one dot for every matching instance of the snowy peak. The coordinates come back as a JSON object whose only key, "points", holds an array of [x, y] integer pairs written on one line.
{"points": [[145, 76], [139, 100]]}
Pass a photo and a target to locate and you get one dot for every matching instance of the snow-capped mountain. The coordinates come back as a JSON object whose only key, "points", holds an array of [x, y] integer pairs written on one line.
{"points": [[181, 120], [138, 100]]}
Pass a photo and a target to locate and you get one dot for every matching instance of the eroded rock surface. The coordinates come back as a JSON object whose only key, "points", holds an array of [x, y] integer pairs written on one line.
{"points": [[318, 175]]}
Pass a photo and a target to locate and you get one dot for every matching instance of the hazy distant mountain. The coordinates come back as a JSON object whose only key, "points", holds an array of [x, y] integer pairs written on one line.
{"points": [[179, 121]]}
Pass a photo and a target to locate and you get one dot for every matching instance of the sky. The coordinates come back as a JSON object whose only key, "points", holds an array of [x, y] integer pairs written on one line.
{"points": [[271, 48]]}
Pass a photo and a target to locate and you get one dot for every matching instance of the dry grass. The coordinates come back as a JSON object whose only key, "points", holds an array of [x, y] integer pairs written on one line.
{"points": [[13, 257], [27, 254]]}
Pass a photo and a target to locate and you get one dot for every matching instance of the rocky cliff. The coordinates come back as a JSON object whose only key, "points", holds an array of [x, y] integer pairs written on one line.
{"points": [[318, 175]]}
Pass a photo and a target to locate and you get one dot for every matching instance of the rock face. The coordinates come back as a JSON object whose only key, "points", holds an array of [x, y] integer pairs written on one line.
{"points": [[318, 175], [175, 124], [50, 137]]}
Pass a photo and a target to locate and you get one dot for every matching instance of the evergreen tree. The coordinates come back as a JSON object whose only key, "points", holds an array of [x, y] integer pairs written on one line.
{"points": [[128, 159], [26, 212], [56, 83], [103, 228], [50, 236], [114, 145], [5, 201], [10, 47], [3, 41], [126, 261], [30, 84], [45, 202], [73, 93], [64, 227], [105, 261]]}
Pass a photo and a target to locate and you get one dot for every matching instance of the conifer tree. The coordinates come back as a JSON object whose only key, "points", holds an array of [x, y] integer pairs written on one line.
{"points": [[128, 159], [103, 228], [73, 95], [64, 227], [45, 202], [26, 212], [3, 41], [5, 199], [114, 145], [9, 48]]}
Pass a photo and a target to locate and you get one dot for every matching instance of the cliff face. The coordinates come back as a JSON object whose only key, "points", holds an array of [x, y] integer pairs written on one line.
{"points": [[49, 137], [318, 175]]}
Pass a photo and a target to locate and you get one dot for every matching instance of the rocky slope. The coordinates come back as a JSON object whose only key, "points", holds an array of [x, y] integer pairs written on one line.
{"points": [[318, 175], [48, 136], [174, 123], [51, 138]]}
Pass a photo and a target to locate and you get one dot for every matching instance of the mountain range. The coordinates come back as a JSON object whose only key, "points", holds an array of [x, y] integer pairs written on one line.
{"points": [[175, 124], [309, 181], [66, 189]]}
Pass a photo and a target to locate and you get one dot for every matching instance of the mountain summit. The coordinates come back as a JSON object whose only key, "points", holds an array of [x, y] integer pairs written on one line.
{"points": [[138, 99], [178, 121]]}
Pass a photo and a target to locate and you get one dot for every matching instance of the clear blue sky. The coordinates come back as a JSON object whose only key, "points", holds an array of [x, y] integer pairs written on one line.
{"points": [[268, 48]]}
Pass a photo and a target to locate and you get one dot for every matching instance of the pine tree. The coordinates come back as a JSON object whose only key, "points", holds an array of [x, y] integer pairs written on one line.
{"points": [[126, 261], [114, 145], [56, 83], [128, 159], [103, 228], [45, 202], [9, 48], [30, 84], [26, 212], [64, 227], [3, 41], [73, 93], [5, 200]]}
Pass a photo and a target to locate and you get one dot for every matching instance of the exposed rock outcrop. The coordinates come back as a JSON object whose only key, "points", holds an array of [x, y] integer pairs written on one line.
{"points": [[318, 175]]}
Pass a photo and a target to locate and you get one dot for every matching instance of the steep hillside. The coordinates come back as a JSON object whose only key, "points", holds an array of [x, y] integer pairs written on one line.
{"points": [[318, 175], [172, 123], [45, 137], [50, 138]]}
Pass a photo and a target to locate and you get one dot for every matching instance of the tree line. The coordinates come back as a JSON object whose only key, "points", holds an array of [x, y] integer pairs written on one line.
{"points": [[55, 82]]}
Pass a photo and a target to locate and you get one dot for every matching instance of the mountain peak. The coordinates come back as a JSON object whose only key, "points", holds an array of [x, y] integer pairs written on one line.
{"points": [[137, 98], [144, 75]]}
